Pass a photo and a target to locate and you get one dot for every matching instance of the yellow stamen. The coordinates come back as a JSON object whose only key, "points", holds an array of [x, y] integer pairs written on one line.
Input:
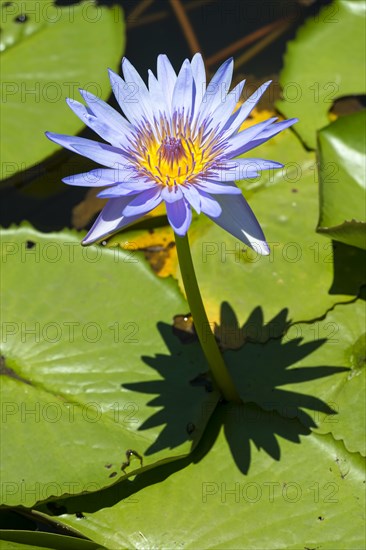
{"points": [[173, 155]]}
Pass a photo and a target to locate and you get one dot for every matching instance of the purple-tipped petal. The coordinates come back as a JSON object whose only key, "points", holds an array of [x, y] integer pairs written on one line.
{"points": [[68, 141], [238, 219], [102, 153], [226, 108], [105, 112], [125, 188], [209, 205], [99, 177], [144, 202], [216, 90], [110, 220], [171, 194], [166, 76], [179, 215], [238, 142], [199, 76], [192, 195], [99, 126], [217, 188], [241, 168], [141, 93], [237, 119], [268, 133], [127, 96], [184, 90], [157, 97], [276, 128]]}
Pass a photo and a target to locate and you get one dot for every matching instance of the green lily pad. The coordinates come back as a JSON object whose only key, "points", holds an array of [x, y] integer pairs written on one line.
{"points": [[315, 374], [291, 478], [80, 326], [49, 52], [342, 197], [324, 62]]}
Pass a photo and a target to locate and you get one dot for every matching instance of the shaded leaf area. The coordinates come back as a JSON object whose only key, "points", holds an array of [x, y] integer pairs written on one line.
{"points": [[313, 77], [30, 540], [231, 336], [222, 506], [342, 194], [344, 330], [74, 328], [171, 395], [291, 375], [259, 372], [349, 276], [35, 86]]}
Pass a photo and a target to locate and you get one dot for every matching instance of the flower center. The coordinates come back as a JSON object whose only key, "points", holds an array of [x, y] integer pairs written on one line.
{"points": [[172, 154], [172, 150], [173, 161]]}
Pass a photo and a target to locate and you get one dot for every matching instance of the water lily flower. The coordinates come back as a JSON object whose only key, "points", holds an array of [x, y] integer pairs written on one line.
{"points": [[178, 142]]}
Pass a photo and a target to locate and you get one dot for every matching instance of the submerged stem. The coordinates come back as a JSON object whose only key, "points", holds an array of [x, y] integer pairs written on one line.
{"points": [[207, 339]]}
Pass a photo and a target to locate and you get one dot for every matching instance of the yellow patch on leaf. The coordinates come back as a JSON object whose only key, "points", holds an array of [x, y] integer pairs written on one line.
{"points": [[157, 245]]}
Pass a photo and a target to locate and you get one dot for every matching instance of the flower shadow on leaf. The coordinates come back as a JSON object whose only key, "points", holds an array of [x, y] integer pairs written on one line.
{"points": [[258, 370], [231, 336], [183, 386], [267, 415]]}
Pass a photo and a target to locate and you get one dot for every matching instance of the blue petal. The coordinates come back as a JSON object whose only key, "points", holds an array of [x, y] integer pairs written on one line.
{"points": [[171, 194], [126, 188], [210, 206], [225, 109], [126, 96], [141, 93], [179, 215], [117, 191], [166, 77], [157, 97], [199, 76], [99, 126], [241, 168], [110, 220], [193, 197], [100, 152], [216, 188], [99, 177], [105, 112], [267, 133], [184, 90], [216, 90], [144, 202], [276, 128], [237, 119], [237, 143], [238, 219]]}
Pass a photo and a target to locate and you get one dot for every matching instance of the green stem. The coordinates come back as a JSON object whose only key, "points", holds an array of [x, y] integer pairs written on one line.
{"points": [[207, 339]]}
